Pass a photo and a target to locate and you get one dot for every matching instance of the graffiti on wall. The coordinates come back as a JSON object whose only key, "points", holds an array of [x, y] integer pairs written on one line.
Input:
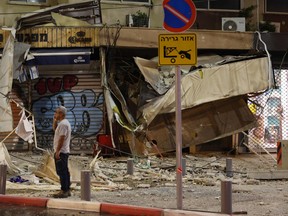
{"points": [[54, 85], [84, 111]]}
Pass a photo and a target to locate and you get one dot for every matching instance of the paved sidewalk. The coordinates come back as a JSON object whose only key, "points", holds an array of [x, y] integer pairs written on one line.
{"points": [[109, 208]]}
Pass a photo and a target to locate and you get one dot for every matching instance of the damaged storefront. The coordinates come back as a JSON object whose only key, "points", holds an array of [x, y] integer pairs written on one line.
{"points": [[131, 103], [57, 65], [43, 85], [214, 101], [76, 86]]}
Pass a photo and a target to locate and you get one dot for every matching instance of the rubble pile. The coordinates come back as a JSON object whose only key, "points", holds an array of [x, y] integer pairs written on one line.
{"points": [[111, 173]]}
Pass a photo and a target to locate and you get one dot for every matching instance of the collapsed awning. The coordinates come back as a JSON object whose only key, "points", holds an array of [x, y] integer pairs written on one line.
{"points": [[213, 102], [60, 56], [211, 84]]}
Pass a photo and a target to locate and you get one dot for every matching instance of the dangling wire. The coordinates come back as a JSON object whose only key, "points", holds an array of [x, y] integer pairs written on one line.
{"points": [[270, 73]]}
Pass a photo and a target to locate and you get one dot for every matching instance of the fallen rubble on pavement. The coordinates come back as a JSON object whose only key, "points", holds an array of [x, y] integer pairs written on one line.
{"points": [[111, 173], [153, 182]]}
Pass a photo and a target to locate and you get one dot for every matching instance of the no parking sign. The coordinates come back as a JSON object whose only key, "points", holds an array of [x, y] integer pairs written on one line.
{"points": [[178, 49], [179, 15]]}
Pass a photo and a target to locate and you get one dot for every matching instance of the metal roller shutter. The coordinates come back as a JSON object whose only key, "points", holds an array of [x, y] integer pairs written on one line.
{"points": [[78, 88]]}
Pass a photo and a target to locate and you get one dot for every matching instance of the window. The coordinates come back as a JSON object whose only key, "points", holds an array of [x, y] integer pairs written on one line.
{"points": [[29, 1], [277, 6], [128, 1], [203, 4], [135, 0], [218, 4]]}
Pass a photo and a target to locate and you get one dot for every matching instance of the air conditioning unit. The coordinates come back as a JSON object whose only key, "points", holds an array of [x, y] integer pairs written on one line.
{"points": [[233, 24]]}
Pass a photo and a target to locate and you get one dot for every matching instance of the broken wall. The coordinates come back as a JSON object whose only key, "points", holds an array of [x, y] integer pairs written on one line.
{"points": [[200, 124]]}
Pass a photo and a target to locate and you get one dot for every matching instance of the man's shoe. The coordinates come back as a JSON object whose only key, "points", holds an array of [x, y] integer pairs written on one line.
{"points": [[69, 193], [62, 194]]}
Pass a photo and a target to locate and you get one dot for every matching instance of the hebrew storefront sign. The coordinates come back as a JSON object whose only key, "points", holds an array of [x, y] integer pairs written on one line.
{"points": [[52, 37]]}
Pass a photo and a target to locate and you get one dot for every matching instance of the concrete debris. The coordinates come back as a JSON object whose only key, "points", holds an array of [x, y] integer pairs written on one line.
{"points": [[111, 173], [47, 168], [252, 182], [5, 159], [204, 181], [143, 186], [156, 186]]}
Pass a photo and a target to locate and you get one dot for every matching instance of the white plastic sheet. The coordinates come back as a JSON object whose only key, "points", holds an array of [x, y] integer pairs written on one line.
{"points": [[6, 159], [212, 84], [24, 128]]}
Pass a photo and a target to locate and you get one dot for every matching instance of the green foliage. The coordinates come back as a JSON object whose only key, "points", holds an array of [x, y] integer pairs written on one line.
{"points": [[266, 26], [140, 19], [248, 14]]}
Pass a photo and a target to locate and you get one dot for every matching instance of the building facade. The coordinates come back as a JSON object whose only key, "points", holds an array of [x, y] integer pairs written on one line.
{"points": [[67, 76], [258, 14]]}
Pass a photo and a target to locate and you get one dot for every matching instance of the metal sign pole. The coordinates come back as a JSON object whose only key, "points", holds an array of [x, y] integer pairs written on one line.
{"points": [[175, 53], [178, 138]]}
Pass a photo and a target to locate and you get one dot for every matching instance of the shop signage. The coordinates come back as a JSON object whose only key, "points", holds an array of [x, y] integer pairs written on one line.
{"points": [[79, 37], [28, 38], [57, 37]]}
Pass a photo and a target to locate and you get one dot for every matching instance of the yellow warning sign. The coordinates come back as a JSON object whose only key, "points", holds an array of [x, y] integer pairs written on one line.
{"points": [[177, 49]]}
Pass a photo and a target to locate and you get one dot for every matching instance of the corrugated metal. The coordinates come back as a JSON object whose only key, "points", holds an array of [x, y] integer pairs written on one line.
{"points": [[79, 89], [19, 94]]}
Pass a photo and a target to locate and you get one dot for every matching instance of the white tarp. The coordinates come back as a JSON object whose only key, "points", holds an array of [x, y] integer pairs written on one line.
{"points": [[160, 78], [152, 75], [211, 84], [6, 78], [14, 54], [6, 160]]}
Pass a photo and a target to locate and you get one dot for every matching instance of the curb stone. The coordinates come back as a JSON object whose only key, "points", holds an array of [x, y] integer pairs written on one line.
{"points": [[108, 208]]}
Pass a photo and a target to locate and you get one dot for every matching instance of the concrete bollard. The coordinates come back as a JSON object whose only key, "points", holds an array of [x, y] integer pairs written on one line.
{"points": [[85, 185], [130, 168], [183, 166], [226, 197], [3, 173], [229, 170]]}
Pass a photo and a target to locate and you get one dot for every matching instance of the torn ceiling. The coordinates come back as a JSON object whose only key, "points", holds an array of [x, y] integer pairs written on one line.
{"points": [[210, 84], [76, 14]]}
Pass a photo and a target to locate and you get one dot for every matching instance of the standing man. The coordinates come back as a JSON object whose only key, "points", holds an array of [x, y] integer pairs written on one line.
{"points": [[61, 143]]}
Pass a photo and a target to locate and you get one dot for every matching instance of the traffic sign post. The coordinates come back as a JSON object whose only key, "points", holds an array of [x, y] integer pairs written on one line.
{"points": [[177, 49], [178, 138], [179, 15]]}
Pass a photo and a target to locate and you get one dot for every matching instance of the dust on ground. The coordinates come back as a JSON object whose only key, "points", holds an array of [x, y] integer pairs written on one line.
{"points": [[153, 183]]}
